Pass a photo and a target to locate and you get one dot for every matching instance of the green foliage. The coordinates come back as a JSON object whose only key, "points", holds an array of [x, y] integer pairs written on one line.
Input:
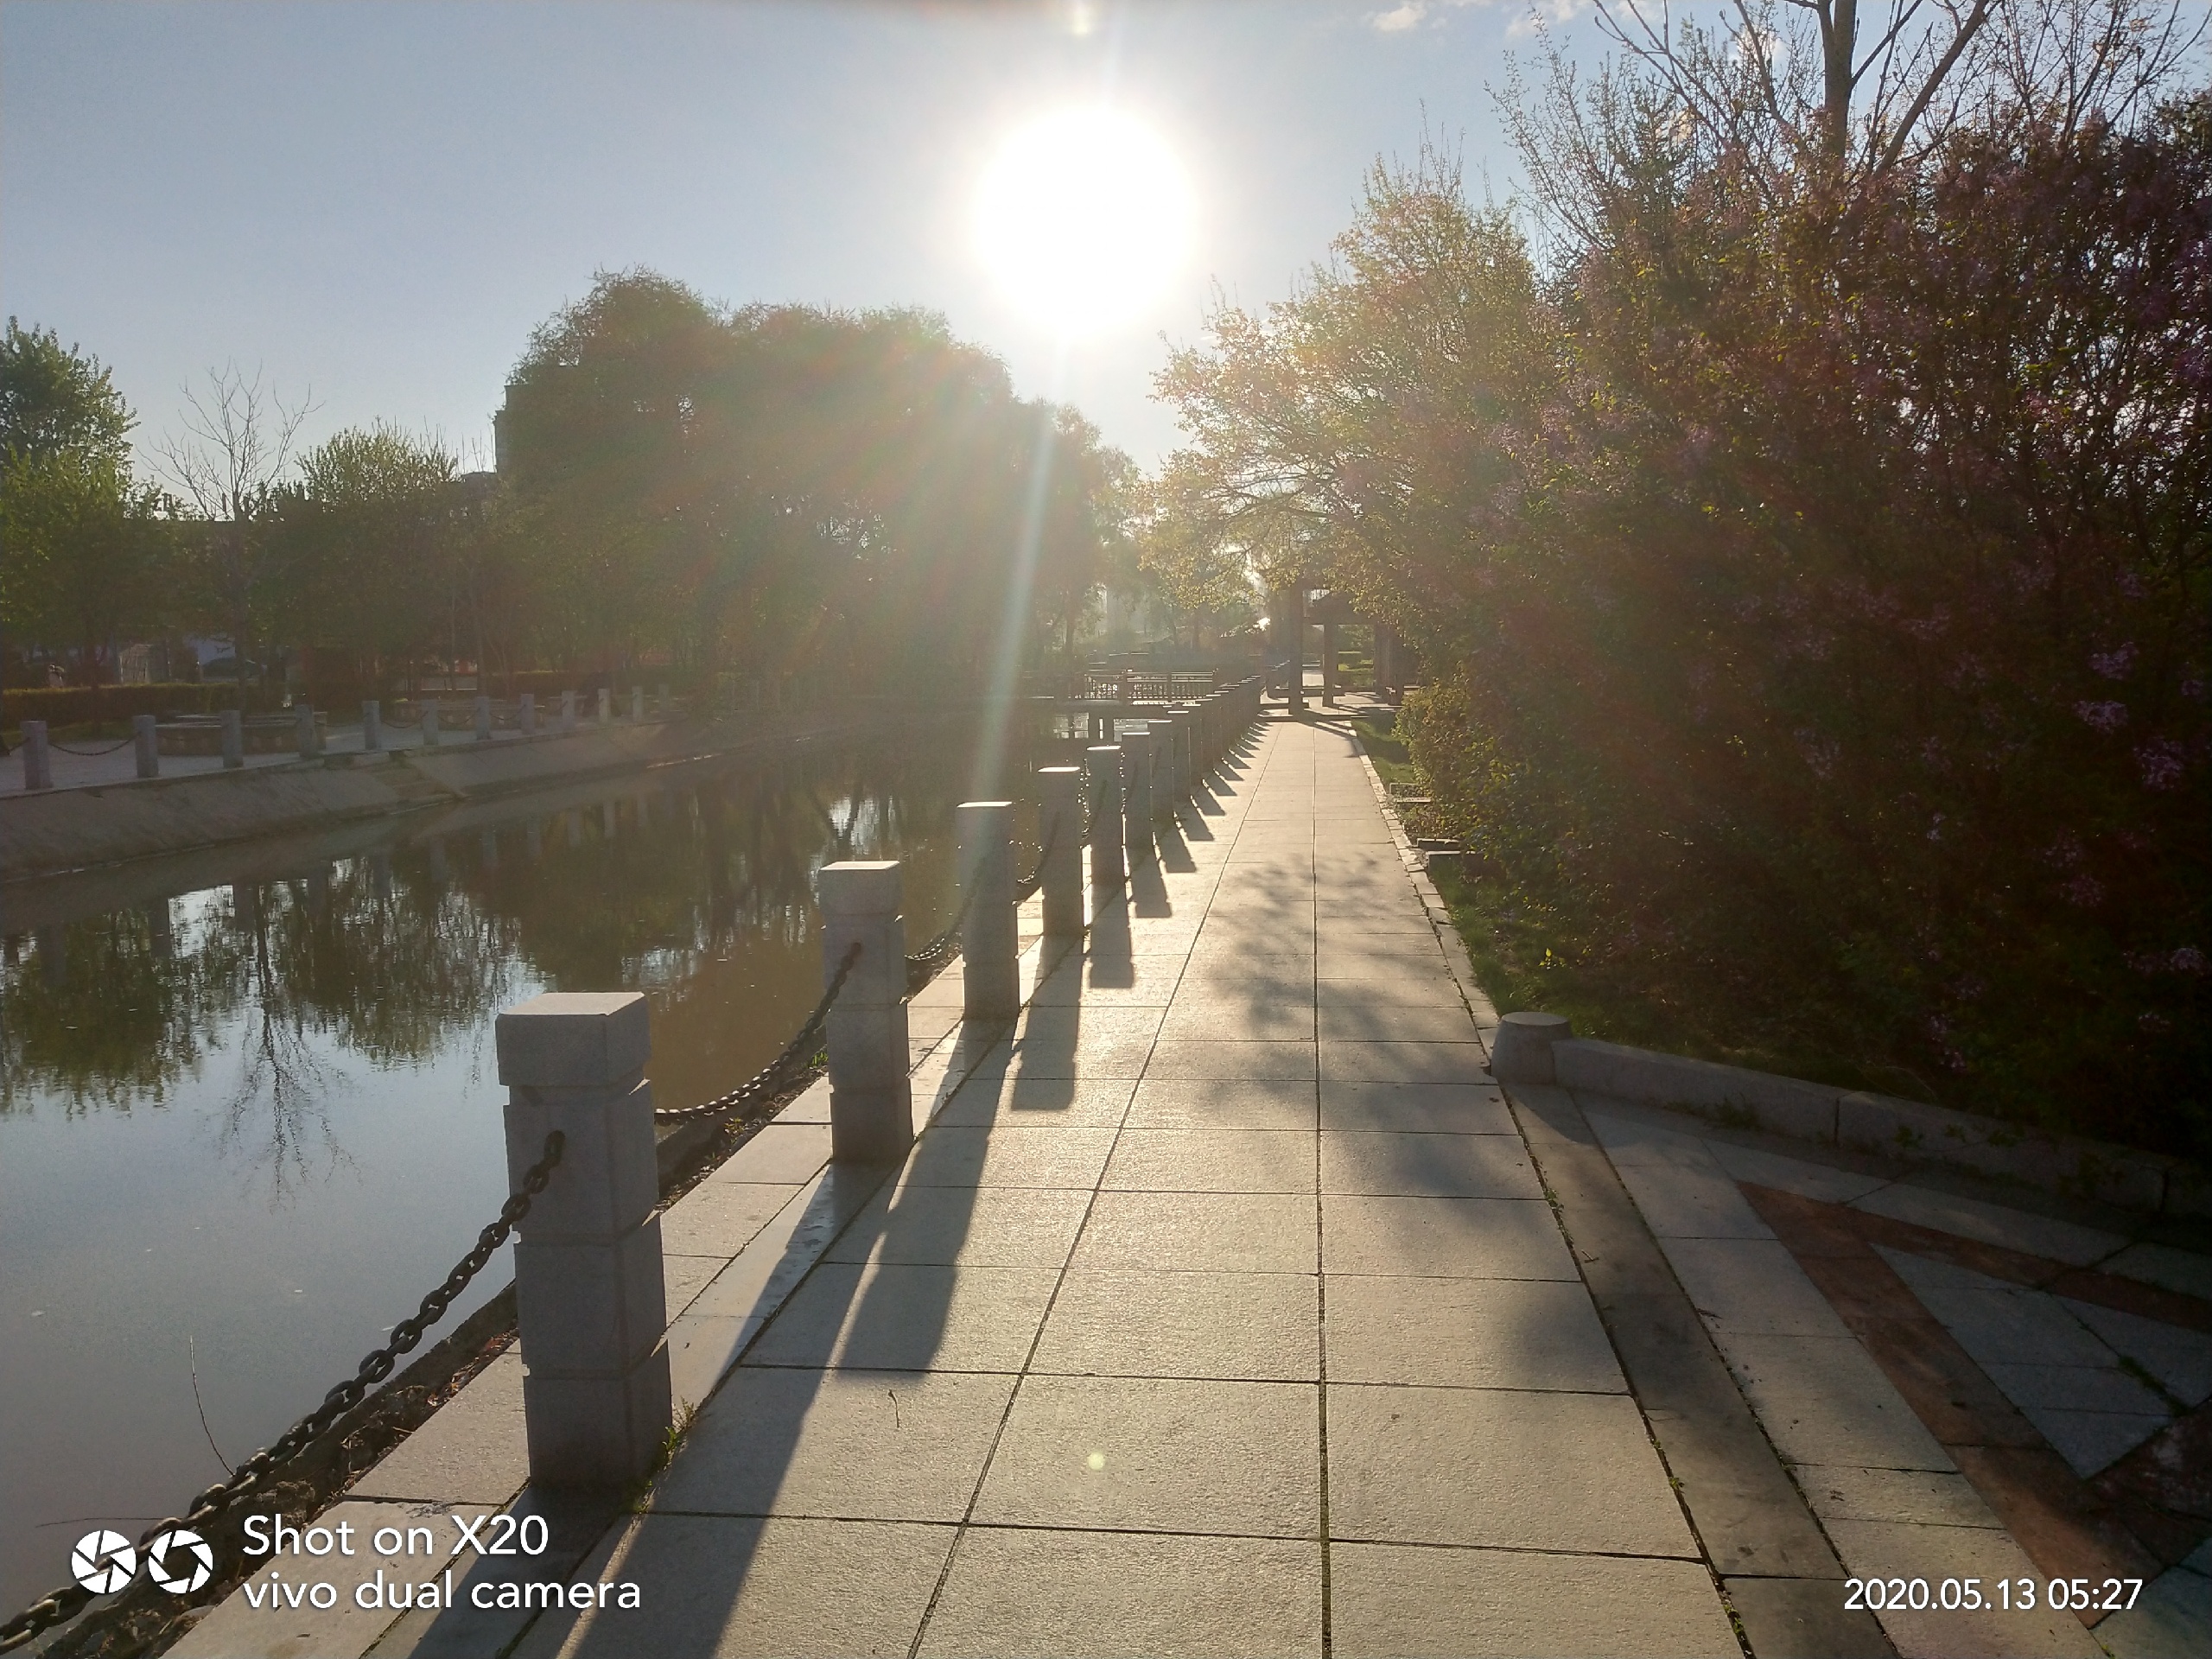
{"points": [[57, 400], [1813, 570]]}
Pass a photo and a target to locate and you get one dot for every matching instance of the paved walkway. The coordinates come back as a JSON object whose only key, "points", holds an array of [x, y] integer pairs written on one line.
{"points": [[1225, 1306]]}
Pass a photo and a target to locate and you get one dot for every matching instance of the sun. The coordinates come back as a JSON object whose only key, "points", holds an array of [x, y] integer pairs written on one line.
{"points": [[1082, 217]]}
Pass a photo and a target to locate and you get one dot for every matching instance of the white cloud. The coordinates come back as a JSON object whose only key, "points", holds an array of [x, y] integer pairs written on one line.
{"points": [[1412, 13]]}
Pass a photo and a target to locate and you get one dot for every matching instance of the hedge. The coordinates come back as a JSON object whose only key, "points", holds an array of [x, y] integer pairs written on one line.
{"points": [[74, 705]]}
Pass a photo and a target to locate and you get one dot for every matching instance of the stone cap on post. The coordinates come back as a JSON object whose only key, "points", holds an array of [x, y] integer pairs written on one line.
{"points": [[574, 1039]]}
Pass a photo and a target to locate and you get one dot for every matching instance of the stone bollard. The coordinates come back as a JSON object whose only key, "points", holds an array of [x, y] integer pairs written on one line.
{"points": [[605, 704], [526, 715], [38, 756], [1059, 834], [1109, 865], [590, 1299], [990, 947], [304, 720], [1522, 1050], [1136, 792], [483, 719], [233, 739], [637, 704], [1179, 778], [567, 711], [871, 1099], [664, 706], [145, 745], [431, 724], [372, 728]]}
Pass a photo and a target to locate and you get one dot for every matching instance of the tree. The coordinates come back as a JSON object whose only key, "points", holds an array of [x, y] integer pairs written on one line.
{"points": [[80, 555], [229, 464]]}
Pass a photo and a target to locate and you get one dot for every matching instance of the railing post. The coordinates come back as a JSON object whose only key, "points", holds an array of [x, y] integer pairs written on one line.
{"points": [[303, 724], [666, 708], [372, 728], [430, 724], [1109, 863], [605, 704], [38, 756], [483, 719], [1136, 792], [871, 1099], [145, 745], [567, 711], [526, 715], [1059, 832], [233, 739], [989, 936], [590, 1299], [1179, 734]]}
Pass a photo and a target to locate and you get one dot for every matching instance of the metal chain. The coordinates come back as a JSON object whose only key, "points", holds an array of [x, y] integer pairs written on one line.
{"points": [[63, 1605], [1026, 888], [55, 743], [797, 1054]]}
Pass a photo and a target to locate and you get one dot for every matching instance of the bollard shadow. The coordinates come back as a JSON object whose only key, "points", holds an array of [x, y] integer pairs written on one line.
{"points": [[876, 1299], [1110, 959], [1149, 889], [1174, 851]]}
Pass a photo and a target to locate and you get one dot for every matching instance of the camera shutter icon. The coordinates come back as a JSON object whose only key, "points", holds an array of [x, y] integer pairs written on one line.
{"points": [[179, 1560], [104, 1562]]}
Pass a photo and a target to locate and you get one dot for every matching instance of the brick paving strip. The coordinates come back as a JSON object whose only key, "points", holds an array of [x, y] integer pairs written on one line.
{"points": [[1225, 1306]]}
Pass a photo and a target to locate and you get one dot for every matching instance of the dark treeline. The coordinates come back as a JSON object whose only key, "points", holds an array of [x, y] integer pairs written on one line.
{"points": [[759, 491], [1808, 539]]}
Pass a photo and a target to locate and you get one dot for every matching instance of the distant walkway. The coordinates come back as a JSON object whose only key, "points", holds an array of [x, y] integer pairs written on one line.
{"points": [[1226, 1306]]}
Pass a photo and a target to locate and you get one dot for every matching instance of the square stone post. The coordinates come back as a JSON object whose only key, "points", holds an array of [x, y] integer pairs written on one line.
{"points": [[526, 715], [871, 1099], [1109, 865], [38, 756], [1136, 792], [1178, 737], [145, 745], [989, 935], [483, 719], [303, 723], [637, 703], [589, 1300], [372, 728], [605, 704], [233, 739], [1059, 833]]}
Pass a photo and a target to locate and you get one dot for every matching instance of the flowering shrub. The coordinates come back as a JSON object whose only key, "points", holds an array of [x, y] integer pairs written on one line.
{"points": [[1815, 588]]}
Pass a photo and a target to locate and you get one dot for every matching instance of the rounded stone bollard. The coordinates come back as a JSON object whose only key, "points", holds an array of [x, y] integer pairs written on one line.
{"points": [[38, 756], [145, 745], [483, 719], [1136, 792], [372, 728], [233, 739], [1522, 1050], [871, 1097], [637, 704], [431, 724], [1060, 835], [567, 711], [664, 706], [989, 935], [303, 721], [590, 1303], [605, 705], [526, 715], [1109, 863]]}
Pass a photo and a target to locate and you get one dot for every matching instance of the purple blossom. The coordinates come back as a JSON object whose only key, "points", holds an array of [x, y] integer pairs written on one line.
{"points": [[2161, 761], [2083, 891], [2114, 664], [2104, 716]]}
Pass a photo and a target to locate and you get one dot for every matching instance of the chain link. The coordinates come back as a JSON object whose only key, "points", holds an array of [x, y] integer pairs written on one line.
{"points": [[796, 1056], [55, 743], [249, 1476]]}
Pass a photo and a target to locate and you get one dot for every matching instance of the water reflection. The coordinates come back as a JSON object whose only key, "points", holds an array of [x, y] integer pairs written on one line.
{"points": [[246, 1107]]}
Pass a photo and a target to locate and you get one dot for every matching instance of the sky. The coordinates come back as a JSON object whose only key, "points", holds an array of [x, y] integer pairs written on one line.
{"points": [[372, 204]]}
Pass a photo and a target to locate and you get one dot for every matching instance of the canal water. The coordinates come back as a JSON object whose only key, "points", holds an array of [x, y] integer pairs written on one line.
{"points": [[248, 1109]]}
